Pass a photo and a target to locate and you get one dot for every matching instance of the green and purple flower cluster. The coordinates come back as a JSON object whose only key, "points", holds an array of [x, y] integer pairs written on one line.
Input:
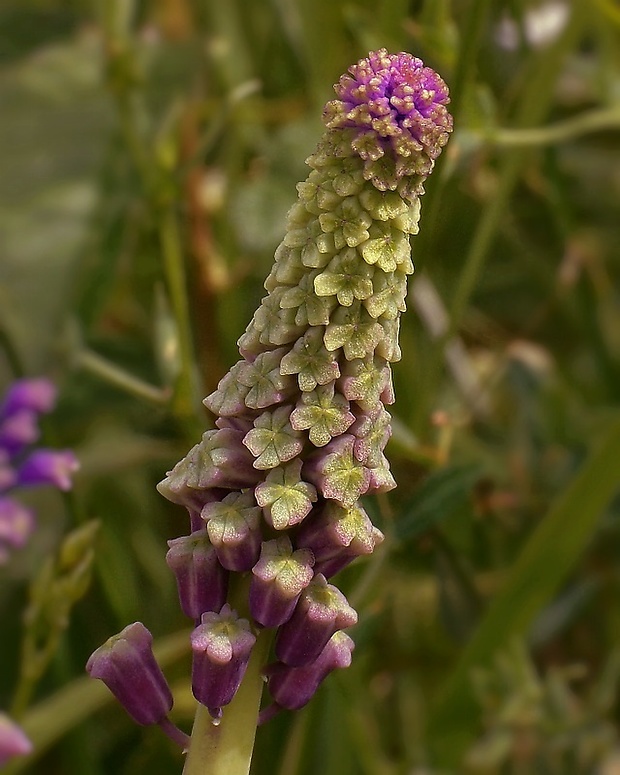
{"points": [[273, 491]]}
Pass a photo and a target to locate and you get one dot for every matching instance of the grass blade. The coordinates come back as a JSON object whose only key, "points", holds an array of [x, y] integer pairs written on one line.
{"points": [[546, 560]]}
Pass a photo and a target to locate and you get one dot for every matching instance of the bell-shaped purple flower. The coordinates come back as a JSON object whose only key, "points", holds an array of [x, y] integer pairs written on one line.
{"points": [[336, 536], [219, 461], [293, 687], [202, 582], [127, 666], [13, 741], [372, 431], [23, 403], [233, 525], [322, 609], [367, 381], [310, 361], [221, 647], [277, 581]]}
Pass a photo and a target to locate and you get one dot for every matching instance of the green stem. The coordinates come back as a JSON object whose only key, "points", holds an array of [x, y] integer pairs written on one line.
{"points": [[571, 129], [294, 748], [464, 71], [482, 240], [114, 375], [462, 79], [10, 351], [226, 749], [532, 110], [185, 396], [22, 694], [123, 78]]}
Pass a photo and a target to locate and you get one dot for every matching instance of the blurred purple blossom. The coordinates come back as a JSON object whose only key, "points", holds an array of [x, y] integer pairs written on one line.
{"points": [[21, 465], [13, 741]]}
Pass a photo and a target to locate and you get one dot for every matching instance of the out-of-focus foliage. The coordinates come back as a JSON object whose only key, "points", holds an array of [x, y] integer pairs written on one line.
{"points": [[149, 153]]}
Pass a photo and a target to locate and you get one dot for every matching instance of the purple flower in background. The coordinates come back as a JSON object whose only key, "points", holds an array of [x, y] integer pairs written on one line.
{"points": [[21, 465], [13, 741]]}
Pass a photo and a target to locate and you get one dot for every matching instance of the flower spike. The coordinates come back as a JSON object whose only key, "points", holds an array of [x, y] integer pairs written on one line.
{"points": [[301, 424]]}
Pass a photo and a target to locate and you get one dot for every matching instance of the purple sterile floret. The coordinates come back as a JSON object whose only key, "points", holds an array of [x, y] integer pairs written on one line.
{"points": [[13, 740], [127, 666], [221, 647], [233, 525], [293, 687], [322, 609], [202, 582], [219, 460], [392, 101], [277, 581]]}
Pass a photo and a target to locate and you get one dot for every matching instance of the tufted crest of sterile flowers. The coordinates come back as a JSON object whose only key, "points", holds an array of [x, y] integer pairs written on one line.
{"points": [[274, 490]]}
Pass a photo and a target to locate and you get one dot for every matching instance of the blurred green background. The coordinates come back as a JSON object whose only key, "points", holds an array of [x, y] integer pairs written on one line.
{"points": [[148, 156]]}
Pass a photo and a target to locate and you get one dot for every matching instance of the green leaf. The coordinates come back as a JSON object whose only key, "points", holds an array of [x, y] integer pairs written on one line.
{"points": [[51, 136], [440, 494], [547, 558]]}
